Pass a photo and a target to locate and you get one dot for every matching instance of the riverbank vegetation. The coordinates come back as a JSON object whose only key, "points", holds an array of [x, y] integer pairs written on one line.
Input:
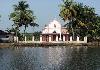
{"points": [[80, 19]]}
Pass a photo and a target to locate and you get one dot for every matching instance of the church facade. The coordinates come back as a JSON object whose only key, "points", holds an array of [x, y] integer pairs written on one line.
{"points": [[54, 32]]}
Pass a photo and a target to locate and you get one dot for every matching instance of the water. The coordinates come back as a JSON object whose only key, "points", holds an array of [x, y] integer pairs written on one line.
{"points": [[51, 58]]}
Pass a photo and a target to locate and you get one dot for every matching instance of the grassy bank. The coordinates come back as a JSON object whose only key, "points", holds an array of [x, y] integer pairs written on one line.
{"points": [[4, 45]]}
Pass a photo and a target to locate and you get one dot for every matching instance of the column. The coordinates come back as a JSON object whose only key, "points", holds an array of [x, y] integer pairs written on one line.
{"points": [[67, 36], [63, 37], [77, 39], [49, 38], [60, 37], [70, 38], [25, 39], [17, 39], [85, 39], [33, 39], [56, 37], [40, 38]]}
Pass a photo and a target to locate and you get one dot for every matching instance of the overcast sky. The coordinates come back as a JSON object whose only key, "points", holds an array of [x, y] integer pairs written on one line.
{"points": [[44, 10]]}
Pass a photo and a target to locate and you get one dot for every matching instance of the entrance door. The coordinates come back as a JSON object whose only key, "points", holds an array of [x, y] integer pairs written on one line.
{"points": [[54, 37], [47, 38]]}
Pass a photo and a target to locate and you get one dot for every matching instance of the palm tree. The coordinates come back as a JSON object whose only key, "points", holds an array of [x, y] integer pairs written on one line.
{"points": [[67, 12], [23, 16]]}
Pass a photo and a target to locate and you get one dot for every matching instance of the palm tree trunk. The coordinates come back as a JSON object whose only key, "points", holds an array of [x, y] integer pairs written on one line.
{"points": [[16, 35], [73, 29], [73, 33], [25, 31], [16, 32]]}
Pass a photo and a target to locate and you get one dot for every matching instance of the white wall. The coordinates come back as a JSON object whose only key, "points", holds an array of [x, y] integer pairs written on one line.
{"points": [[52, 26]]}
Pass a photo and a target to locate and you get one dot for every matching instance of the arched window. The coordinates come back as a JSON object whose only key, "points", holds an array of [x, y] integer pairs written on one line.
{"points": [[54, 25], [54, 31]]}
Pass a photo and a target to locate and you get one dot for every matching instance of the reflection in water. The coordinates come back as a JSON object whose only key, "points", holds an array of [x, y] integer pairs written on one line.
{"points": [[51, 58], [58, 56]]}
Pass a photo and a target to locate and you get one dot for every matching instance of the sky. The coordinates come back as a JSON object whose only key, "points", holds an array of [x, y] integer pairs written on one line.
{"points": [[44, 10]]}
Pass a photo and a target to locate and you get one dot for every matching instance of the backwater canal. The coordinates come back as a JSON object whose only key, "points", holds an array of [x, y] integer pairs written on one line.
{"points": [[50, 58]]}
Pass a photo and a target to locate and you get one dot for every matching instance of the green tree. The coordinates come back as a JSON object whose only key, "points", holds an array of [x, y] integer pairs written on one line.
{"points": [[67, 12], [37, 35], [82, 19], [13, 30], [23, 16]]}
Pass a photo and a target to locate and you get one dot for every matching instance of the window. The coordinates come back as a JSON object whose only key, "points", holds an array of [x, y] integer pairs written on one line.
{"points": [[54, 31], [54, 25]]}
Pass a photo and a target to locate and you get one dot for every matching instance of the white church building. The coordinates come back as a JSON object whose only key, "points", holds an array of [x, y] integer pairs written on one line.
{"points": [[54, 32]]}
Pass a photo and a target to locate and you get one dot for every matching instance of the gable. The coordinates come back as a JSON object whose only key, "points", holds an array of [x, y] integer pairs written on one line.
{"points": [[52, 27]]}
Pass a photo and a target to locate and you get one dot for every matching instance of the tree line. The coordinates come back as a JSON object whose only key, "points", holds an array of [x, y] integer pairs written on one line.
{"points": [[81, 19]]}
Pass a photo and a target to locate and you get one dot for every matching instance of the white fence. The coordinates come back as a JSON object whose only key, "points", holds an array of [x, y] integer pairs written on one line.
{"points": [[71, 40]]}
